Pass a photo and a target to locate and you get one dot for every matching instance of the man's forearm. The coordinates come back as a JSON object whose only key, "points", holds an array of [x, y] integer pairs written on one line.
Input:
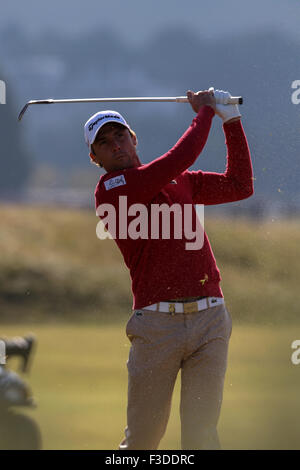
{"points": [[236, 182], [149, 179], [239, 166], [184, 153]]}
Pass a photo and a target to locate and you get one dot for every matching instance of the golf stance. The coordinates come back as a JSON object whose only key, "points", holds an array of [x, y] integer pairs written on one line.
{"points": [[179, 318]]}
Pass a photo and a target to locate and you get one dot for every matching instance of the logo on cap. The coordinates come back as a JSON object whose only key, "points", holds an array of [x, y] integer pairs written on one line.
{"points": [[106, 116]]}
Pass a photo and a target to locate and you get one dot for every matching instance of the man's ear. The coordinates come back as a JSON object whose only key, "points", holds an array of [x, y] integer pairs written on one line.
{"points": [[134, 138], [93, 157]]}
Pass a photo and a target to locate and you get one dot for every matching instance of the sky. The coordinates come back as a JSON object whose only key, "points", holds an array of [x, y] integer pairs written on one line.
{"points": [[137, 21]]}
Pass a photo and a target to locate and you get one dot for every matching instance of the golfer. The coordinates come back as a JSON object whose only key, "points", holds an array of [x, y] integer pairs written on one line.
{"points": [[179, 319]]}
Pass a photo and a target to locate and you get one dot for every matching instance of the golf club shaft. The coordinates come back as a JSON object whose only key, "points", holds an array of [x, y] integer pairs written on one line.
{"points": [[162, 99]]}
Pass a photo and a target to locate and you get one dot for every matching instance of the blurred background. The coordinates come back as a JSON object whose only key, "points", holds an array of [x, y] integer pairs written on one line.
{"points": [[71, 289]]}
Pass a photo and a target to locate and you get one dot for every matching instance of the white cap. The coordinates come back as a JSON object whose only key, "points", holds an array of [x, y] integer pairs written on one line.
{"points": [[98, 120]]}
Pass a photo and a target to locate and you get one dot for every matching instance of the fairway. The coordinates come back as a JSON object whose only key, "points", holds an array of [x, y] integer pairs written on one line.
{"points": [[79, 379]]}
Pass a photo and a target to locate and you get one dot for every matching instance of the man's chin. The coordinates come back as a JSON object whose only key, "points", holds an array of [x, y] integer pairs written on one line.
{"points": [[126, 166], [123, 165]]}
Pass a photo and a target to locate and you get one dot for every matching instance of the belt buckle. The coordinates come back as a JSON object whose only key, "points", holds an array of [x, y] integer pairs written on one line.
{"points": [[190, 307], [172, 309]]}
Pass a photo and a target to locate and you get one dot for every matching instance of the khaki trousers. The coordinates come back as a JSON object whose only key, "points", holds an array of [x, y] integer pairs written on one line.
{"points": [[161, 345]]}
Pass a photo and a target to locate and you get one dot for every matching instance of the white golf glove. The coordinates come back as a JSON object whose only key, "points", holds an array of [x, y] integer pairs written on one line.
{"points": [[224, 110]]}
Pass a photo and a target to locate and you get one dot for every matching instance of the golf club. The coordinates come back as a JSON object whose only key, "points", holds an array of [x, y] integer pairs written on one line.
{"points": [[170, 99]]}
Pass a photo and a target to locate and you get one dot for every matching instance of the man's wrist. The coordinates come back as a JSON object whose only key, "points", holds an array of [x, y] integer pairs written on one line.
{"points": [[238, 118]]}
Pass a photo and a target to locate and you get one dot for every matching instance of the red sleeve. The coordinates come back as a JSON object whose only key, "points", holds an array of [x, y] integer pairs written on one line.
{"points": [[237, 181], [142, 184]]}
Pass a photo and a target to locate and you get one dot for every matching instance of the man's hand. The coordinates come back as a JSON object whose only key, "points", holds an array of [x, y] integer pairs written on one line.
{"points": [[227, 112], [201, 98]]}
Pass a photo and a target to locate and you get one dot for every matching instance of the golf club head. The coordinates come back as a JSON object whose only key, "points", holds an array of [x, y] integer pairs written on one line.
{"points": [[23, 110]]}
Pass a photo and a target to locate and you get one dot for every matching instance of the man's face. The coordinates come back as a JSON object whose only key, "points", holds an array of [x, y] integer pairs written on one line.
{"points": [[115, 148]]}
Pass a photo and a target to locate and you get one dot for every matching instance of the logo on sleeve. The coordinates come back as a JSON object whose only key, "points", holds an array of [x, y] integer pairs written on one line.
{"points": [[114, 182]]}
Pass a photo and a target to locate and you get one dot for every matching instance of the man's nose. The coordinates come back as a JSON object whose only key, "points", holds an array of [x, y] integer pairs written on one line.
{"points": [[115, 145]]}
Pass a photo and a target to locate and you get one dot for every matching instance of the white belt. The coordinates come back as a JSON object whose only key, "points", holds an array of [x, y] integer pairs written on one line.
{"points": [[185, 307]]}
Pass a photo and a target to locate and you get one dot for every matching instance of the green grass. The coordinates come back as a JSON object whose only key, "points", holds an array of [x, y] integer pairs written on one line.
{"points": [[54, 268], [79, 378]]}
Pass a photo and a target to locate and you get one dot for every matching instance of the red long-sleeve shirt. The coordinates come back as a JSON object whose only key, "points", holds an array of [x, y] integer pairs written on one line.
{"points": [[163, 269]]}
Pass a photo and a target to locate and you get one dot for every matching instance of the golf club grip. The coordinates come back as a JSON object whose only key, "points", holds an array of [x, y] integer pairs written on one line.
{"points": [[231, 100]]}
